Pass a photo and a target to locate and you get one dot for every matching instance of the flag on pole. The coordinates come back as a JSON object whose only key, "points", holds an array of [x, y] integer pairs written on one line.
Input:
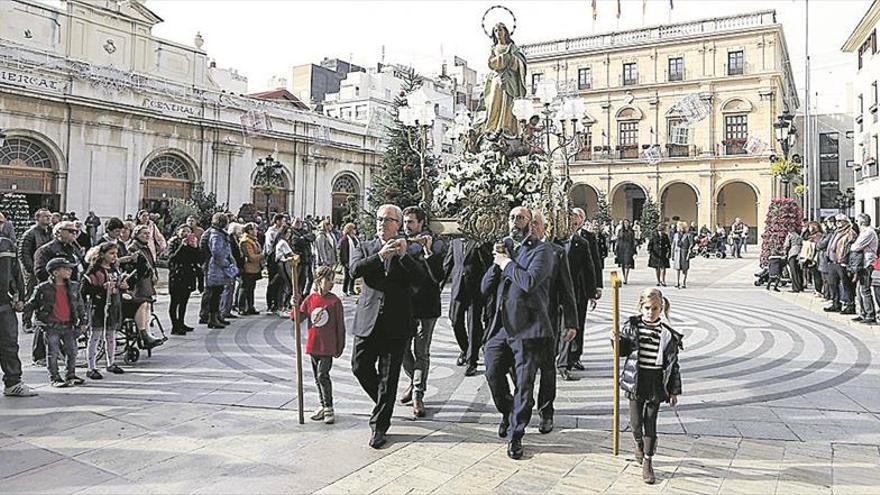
{"points": [[618, 9], [595, 13], [670, 5]]}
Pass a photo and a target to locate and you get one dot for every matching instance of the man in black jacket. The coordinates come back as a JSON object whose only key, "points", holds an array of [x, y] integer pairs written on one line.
{"points": [[65, 232], [586, 272], [33, 239], [466, 261], [11, 299], [428, 251], [518, 334], [301, 240], [383, 322], [562, 312]]}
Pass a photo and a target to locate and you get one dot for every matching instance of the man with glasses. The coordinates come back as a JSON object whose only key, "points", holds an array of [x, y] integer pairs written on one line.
{"points": [[63, 246], [39, 234], [517, 335], [383, 322]]}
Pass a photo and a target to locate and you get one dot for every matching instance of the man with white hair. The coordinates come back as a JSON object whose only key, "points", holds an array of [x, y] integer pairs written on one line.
{"points": [[866, 245], [383, 321], [838, 256], [517, 335]]}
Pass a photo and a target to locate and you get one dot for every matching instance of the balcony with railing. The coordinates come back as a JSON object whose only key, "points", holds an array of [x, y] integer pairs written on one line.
{"points": [[734, 146], [627, 151], [744, 68], [649, 36], [674, 76], [868, 169]]}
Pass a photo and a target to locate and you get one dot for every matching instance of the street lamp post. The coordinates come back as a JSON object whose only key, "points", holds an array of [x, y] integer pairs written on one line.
{"points": [[268, 168], [786, 135], [418, 118]]}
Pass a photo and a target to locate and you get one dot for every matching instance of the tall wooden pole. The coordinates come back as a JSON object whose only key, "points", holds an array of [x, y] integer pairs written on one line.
{"points": [[297, 336], [615, 325]]}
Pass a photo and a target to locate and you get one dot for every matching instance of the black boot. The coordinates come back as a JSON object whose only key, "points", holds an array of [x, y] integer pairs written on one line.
{"points": [[177, 328], [215, 322], [639, 450]]}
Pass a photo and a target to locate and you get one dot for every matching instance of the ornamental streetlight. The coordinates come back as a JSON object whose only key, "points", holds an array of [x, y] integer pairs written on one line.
{"points": [[269, 169], [786, 135], [418, 118]]}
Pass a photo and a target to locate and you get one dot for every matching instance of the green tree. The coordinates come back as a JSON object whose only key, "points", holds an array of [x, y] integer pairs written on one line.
{"points": [[650, 217], [603, 211], [396, 180]]}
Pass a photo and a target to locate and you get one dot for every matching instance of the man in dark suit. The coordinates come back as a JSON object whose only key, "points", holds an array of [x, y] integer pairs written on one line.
{"points": [[586, 273], [517, 335], [561, 309], [466, 261], [428, 251], [383, 322]]}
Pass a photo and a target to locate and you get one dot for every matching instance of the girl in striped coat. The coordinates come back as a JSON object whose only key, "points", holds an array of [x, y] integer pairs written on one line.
{"points": [[650, 374]]}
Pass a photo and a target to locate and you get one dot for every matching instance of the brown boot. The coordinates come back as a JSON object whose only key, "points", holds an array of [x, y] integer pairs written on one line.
{"points": [[648, 472], [418, 408], [639, 451], [406, 396]]}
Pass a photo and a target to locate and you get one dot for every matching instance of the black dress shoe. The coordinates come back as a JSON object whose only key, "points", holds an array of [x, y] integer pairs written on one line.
{"points": [[515, 448], [858, 318], [869, 321], [377, 440], [203, 321], [848, 310], [503, 427], [230, 316], [578, 366], [831, 309], [471, 370], [461, 359], [546, 425]]}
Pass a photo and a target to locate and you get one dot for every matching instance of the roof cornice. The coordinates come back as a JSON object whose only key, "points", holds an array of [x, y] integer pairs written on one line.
{"points": [[863, 28]]}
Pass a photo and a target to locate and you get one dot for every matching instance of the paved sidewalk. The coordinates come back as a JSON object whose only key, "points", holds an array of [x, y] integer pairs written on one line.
{"points": [[777, 399]]}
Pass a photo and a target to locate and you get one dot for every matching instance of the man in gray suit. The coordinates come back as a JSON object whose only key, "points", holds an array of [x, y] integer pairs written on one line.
{"points": [[383, 323], [519, 331]]}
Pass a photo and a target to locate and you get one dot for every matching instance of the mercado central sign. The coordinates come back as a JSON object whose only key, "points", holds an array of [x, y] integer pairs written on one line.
{"points": [[31, 80], [171, 107]]}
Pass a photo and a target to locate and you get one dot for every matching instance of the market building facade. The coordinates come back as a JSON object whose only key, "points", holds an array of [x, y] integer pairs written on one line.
{"points": [[735, 70], [101, 115]]}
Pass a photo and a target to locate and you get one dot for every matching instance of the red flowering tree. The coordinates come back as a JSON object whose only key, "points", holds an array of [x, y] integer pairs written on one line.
{"points": [[783, 215]]}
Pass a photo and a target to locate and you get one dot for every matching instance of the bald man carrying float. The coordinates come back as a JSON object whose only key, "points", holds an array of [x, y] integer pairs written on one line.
{"points": [[518, 334]]}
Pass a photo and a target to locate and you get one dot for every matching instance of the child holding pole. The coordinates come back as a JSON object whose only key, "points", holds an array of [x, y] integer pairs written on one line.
{"points": [[650, 373], [326, 338]]}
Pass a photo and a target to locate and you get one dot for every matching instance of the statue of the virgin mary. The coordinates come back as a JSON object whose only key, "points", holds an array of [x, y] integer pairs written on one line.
{"points": [[506, 83]]}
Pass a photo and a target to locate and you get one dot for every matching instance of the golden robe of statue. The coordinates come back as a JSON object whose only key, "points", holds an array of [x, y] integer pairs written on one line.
{"points": [[504, 85]]}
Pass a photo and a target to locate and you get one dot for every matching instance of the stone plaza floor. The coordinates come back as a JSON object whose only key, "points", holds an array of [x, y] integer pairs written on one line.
{"points": [[777, 398]]}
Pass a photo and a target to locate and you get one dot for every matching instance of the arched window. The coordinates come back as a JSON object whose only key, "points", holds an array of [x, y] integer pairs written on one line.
{"points": [[27, 167], [275, 198], [167, 167], [345, 190], [24, 152], [167, 176]]}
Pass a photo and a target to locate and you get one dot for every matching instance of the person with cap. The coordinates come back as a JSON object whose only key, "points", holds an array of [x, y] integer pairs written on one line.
{"points": [[11, 298], [62, 246], [60, 310], [40, 233]]}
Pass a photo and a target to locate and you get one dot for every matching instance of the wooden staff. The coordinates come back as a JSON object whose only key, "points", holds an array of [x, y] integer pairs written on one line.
{"points": [[297, 335], [615, 325]]}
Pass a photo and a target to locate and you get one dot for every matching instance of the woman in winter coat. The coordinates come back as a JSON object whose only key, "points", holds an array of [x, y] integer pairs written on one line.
{"points": [[221, 267], [142, 284], [157, 243], [184, 276], [682, 243], [822, 248], [659, 252], [815, 235], [252, 268], [625, 249], [792, 247]]}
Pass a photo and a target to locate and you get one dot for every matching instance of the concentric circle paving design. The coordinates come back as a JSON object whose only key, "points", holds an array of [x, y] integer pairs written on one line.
{"points": [[733, 355]]}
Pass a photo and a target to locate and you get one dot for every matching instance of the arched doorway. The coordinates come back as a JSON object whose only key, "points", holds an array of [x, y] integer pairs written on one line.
{"points": [[166, 176], [27, 167], [627, 202], [585, 196], [679, 200], [279, 188], [738, 199], [345, 187]]}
